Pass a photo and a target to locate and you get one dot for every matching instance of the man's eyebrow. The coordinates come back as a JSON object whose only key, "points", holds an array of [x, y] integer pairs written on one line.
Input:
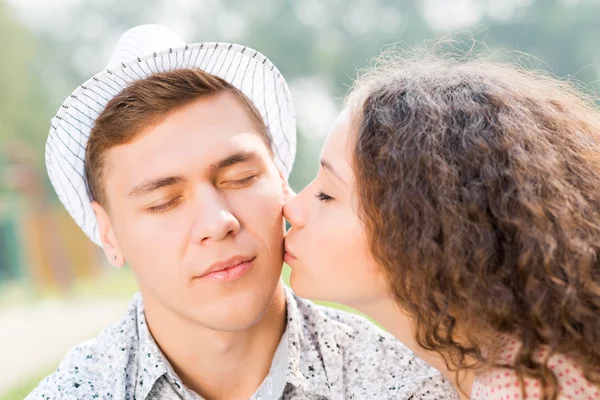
{"points": [[235, 158], [154, 184], [326, 165]]}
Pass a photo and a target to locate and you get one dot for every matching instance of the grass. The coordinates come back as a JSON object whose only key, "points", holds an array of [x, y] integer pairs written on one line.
{"points": [[21, 391], [110, 284]]}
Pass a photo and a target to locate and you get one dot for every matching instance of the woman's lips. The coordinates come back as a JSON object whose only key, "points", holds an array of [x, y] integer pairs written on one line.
{"points": [[288, 256]]}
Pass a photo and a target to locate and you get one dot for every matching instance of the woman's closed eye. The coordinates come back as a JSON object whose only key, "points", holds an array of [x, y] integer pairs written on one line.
{"points": [[323, 197]]}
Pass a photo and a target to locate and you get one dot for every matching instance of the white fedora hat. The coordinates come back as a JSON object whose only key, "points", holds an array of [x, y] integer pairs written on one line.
{"points": [[141, 52]]}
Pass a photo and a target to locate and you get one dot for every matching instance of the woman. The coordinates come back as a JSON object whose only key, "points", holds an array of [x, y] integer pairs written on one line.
{"points": [[458, 204]]}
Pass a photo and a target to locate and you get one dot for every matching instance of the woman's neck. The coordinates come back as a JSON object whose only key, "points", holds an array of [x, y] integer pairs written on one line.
{"points": [[387, 313]]}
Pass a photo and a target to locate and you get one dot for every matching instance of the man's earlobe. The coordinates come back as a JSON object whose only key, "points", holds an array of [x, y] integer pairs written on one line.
{"points": [[108, 237]]}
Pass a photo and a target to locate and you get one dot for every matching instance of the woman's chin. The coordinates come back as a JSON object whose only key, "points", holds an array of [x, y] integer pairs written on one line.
{"points": [[308, 288], [318, 290]]}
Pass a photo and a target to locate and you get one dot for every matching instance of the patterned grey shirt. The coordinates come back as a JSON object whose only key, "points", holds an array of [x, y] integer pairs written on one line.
{"points": [[331, 355]]}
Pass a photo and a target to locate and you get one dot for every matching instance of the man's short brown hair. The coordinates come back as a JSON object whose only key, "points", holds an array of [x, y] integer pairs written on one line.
{"points": [[145, 103]]}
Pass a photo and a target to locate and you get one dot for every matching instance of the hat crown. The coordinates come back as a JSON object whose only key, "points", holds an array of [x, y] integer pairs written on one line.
{"points": [[143, 39]]}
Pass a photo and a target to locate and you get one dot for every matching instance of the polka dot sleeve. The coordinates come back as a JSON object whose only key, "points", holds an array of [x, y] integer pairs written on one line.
{"points": [[503, 384]]}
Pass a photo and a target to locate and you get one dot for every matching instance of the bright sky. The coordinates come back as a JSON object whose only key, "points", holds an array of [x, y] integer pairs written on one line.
{"points": [[314, 99]]}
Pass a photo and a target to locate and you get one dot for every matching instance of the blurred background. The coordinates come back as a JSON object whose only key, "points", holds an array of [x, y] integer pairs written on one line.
{"points": [[55, 288]]}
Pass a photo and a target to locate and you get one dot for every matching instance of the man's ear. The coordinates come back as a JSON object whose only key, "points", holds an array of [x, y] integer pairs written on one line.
{"points": [[110, 243]]}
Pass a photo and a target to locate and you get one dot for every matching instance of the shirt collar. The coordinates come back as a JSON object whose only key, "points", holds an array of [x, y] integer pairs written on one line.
{"points": [[151, 362], [308, 368]]}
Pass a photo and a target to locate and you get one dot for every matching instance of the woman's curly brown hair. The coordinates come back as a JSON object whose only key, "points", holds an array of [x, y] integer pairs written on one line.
{"points": [[479, 186]]}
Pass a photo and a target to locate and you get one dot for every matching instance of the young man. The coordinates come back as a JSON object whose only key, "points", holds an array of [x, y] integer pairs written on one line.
{"points": [[176, 162]]}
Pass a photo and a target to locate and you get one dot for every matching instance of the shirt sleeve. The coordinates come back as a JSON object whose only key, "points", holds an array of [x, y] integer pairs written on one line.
{"points": [[74, 378], [502, 384], [433, 388]]}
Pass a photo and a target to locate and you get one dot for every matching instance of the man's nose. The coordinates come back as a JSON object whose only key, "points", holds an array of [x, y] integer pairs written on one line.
{"points": [[214, 220]]}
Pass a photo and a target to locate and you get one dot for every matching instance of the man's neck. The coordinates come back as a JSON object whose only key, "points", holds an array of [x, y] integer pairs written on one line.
{"points": [[398, 323], [222, 365]]}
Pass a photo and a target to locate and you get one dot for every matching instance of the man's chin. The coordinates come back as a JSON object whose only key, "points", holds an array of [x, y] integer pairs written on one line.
{"points": [[234, 313], [231, 320]]}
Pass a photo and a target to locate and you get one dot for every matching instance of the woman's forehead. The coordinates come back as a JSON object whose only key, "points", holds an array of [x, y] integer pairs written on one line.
{"points": [[337, 150]]}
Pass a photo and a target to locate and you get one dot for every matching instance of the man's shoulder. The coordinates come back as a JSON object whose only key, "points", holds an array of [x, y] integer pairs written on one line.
{"points": [[94, 368], [75, 377], [355, 334], [374, 361]]}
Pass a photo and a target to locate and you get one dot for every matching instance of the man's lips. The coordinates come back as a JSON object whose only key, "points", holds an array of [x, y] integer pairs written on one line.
{"points": [[223, 268]]}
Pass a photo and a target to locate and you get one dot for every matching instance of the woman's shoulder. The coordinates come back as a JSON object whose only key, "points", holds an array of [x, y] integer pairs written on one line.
{"points": [[504, 383]]}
